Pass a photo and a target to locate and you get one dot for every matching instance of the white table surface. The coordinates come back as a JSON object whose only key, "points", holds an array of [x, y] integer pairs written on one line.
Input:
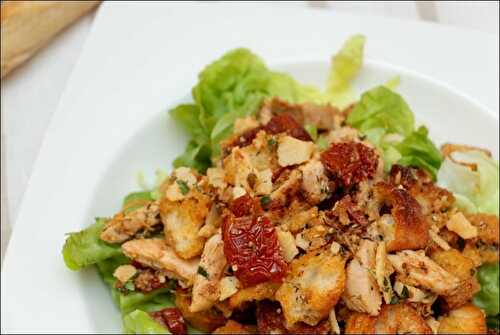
{"points": [[31, 93]]}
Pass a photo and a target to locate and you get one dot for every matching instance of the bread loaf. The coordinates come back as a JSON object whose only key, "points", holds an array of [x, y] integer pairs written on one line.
{"points": [[26, 26]]}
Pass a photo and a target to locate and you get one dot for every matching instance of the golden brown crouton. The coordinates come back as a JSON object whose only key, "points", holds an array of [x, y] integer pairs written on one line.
{"points": [[454, 262], [432, 198], [182, 222], [360, 323], [487, 225], [124, 226], [462, 294], [480, 253], [258, 292], [463, 267], [312, 287], [467, 319], [233, 327], [297, 216], [156, 254], [410, 226], [205, 321], [400, 319]]}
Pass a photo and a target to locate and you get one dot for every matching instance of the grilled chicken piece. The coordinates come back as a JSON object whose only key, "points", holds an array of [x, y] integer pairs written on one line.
{"points": [[467, 319], [312, 287], [156, 254], [419, 270], [123, 227], [288, 188], [211, 269], [361, 290], [400, 319], [314, 182], [182, 221], [410, 228], [383, 269]]}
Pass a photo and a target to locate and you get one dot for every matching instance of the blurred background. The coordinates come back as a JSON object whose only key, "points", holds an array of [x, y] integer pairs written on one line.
{"points": [[42, 40]]}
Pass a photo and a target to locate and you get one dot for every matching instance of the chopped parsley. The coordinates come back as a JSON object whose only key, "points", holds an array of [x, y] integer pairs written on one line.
{"points": [[322, 143], [271, 143], [312, 131], [265, 200], [183, 186], [394, 300], [202, 271], [404, 293], [129, 286]]}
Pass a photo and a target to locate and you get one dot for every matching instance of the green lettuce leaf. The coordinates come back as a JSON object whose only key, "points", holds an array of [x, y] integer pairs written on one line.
{"points": [[139, 322], [231, 87], [493, 322], [417, 150], [383, 115], [107, 267], [235, 85], [380, 107], [488, 297], [136, 200], [475, 191], [345, 66], [86, 248], [152, 301]]}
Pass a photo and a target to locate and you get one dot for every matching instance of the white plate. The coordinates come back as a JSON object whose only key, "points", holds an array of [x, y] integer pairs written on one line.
{"points": [[141, 60]]}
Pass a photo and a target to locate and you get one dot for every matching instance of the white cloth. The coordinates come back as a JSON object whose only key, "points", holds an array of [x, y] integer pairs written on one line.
{"points": [[31, 93]]}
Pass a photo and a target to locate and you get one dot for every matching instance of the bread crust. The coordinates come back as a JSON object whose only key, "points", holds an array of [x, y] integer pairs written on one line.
{"points": [[26, 26]]}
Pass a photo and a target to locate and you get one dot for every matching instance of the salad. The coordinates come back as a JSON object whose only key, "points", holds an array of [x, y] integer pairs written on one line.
{"points": [[295, 209]]}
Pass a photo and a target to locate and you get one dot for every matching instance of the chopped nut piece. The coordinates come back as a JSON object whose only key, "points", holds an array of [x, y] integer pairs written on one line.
{"points": [[292, 151], [287, 243], [228, 286], [124, 272], [459, 224]]}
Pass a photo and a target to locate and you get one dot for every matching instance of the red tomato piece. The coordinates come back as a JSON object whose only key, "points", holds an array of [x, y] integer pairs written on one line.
{"points": [[242, 206], [350, 162], [251, 247], [285, 123], [172, 319]]}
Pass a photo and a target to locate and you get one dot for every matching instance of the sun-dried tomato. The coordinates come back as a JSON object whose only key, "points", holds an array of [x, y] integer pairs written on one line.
{"points": [[346, 209], [350, 162], [242, 140], [251, 247], [172, 319], [285, 123], [243, 206]]}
